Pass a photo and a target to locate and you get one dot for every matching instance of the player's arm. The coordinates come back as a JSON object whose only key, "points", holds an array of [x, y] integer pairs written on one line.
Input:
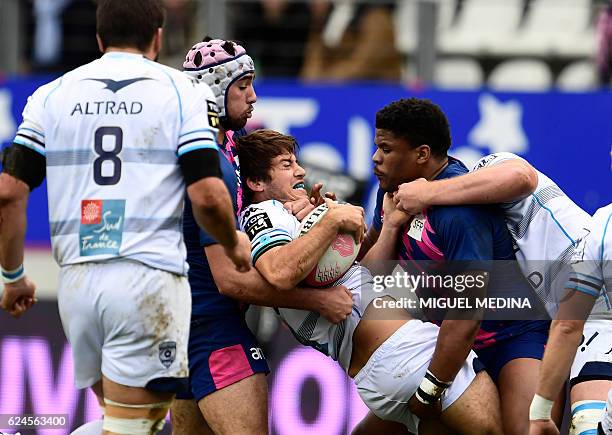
{"points": [[198, 158], [23, 169], [584, 286], [379, 257], [456, 336], [510, 180], [333, 303], [467, 234], [287, 265], [564, 338]]}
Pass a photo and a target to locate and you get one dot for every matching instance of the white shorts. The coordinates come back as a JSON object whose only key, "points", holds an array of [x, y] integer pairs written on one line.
{"points": [[593, 358], [395, 370], [127, 321]]}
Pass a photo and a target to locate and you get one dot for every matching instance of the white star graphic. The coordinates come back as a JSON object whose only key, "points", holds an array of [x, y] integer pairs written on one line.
{"points": [[499, 128]]}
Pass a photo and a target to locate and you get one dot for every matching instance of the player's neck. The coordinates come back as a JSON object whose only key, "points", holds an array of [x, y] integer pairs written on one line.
{"points": [[149, 54], [435, 167]]}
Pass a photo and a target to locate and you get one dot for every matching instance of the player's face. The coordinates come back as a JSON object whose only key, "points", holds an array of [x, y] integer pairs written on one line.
{"points": [[286, 179], [394, 161], [240, 99]]}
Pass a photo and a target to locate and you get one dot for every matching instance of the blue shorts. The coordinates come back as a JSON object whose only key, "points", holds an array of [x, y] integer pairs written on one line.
{"points": [[529, 344], [222, 351]]}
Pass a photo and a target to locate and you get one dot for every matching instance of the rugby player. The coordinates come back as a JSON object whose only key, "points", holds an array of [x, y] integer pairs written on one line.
{"points": [[227, 366], [590, 278], [383, 349], [412, 139], [546, 226], [119, 139]]}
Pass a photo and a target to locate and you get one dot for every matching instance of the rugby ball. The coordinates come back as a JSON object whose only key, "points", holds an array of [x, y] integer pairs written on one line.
{"points": [[338, 258]]}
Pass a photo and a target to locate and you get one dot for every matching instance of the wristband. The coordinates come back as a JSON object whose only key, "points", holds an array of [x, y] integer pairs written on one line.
{"points": [[424, 398], [11, 276], [431, 389], [540, 408], [433, 386], [442, 384]]}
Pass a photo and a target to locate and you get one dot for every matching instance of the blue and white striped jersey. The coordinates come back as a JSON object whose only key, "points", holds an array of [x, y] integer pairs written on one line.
{"points": [[592, 264], [268, 224], [546, 227], [111, 132]]}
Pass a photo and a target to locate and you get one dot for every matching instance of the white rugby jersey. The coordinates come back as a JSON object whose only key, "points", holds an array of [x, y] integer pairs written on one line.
{"points": [[269, 224], [592, 264], [111, 132], [546, 227]]}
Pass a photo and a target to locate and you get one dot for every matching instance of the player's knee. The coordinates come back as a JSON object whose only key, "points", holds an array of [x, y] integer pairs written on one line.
{"points": [[131, 419], [586, 415]]}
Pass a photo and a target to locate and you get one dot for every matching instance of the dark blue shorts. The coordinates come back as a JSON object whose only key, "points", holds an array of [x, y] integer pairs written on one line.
{"points": [[222, 351], [529, 344]]}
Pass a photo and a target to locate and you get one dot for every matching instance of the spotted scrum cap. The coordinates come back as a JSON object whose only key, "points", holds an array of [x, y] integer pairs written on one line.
{"points": [[218, 63]]}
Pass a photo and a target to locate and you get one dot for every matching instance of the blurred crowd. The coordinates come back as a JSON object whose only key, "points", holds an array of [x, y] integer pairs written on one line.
{"points": [[309, 39]]}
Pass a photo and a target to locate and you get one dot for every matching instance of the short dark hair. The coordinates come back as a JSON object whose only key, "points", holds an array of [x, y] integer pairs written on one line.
{"points": [[256, 151], [129, 23], [419, 122]]}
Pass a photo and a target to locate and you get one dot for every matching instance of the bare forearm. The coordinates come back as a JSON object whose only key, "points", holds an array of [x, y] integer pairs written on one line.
{"points": [[288, 265], [560, 351], [12, 233], [384, 251], [455, 341], [252, 288], [508, 181]]}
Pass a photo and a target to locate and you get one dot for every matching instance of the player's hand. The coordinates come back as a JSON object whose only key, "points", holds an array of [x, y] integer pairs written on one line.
{"points": [[409, 197], [315, 195], [240, 254], [18, 297], [424, 412], [336, 303], [299, 207], [392, 215], [349, 218], [543, 427]]}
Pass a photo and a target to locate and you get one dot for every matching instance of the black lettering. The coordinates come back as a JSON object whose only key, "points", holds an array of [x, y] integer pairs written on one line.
{"points": [[122, 106], [136, 108], [77, 108]]}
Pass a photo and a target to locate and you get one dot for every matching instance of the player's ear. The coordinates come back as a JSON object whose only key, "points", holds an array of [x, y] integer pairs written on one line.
{"points": [[157, 41], [100, 44], [423, 154], [255, 186]]}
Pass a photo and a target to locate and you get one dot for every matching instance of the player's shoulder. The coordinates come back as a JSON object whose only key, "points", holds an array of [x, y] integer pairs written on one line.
{"points": [[602, 219], [495, 159], [271, 206]]}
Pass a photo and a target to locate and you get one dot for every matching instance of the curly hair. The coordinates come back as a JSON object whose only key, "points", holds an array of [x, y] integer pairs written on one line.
{"points": [[419, 122]]}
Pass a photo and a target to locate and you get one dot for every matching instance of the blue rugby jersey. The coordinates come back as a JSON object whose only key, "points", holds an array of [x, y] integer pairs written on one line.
{"points": [[464, 234], [206, 299]]}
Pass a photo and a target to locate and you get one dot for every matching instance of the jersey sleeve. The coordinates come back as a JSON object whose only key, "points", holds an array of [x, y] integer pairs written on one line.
{"points": [[30, 133], [200, 120], [591, 259], [495, 159], [377, 219], [268, 225]]}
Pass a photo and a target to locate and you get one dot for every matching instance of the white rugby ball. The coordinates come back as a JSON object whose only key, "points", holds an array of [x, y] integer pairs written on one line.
{"points": [[338, 258]]}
